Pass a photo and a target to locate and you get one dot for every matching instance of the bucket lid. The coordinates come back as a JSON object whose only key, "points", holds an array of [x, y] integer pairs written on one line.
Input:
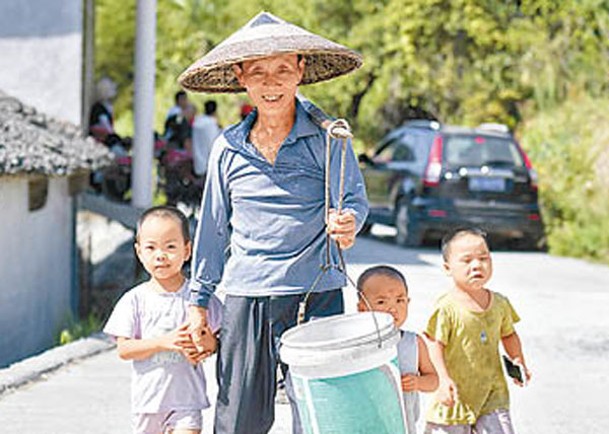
{"points": [[340, 332]]}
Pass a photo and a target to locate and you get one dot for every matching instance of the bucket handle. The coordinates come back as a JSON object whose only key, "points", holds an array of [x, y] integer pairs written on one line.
{"points": [[302, 306], [340, 130]]}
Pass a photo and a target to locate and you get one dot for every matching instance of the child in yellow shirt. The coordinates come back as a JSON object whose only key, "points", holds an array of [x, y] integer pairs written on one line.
{"points": [[465, 330]]}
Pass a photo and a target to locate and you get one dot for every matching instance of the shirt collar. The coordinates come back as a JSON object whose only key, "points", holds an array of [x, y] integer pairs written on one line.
{"points": [[304, 126]]}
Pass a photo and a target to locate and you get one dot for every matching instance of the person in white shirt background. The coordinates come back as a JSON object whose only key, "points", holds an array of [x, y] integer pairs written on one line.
{"points": [[205, 131]]}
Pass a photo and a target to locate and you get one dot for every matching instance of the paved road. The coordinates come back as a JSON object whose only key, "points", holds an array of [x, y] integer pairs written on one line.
{"points": [[565, 329]]}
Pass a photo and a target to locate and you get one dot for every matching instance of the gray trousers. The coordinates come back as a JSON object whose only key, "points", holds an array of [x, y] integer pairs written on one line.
{"points": [[249, 354]]}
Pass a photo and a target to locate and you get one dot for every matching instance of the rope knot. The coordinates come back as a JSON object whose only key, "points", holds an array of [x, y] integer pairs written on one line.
{"points": [[339, 129]]}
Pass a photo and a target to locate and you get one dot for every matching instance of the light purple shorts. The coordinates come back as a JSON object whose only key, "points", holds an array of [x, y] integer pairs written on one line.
{"points": [[158, 423], [497, 422]]}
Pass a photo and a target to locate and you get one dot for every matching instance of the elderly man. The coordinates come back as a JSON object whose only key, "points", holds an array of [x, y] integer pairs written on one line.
{"points": [[262, 229]]}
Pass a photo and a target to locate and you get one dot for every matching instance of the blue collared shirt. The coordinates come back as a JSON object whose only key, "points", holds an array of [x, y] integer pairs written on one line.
{"points": [[262, 226]]}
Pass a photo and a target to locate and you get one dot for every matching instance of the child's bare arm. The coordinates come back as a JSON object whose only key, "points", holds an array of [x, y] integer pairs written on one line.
{"points": [[447, 388], [427, 380], [139, 349], [513, 348]]}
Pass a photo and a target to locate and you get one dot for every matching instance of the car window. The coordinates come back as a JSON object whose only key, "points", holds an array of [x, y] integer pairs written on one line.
{"points": [[462, 150], [421, 143], [402, 153], [385, 153]]}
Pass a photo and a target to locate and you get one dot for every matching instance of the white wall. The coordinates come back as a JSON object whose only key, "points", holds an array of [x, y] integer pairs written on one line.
{"points": [[35, 267], [41, 61]]}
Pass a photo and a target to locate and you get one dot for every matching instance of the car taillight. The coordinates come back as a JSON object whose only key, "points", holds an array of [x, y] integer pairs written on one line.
{"points": [[529, 166], [434, 164]]}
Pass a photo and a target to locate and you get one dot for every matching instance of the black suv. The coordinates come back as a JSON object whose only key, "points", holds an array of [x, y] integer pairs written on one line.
{"points": [[426, 178]]}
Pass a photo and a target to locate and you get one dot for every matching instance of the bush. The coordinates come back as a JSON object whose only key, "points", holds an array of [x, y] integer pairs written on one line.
{"points": [[565, 144], [76, 329]]}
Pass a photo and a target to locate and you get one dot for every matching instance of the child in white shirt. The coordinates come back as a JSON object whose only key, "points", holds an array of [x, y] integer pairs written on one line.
{"points": [[150, 326]]}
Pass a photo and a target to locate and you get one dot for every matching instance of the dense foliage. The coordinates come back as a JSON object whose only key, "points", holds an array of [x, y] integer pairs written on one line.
{"points": [[531, 64]]}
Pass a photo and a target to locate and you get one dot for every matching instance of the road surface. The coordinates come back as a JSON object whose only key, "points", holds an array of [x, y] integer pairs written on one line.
{"points": [[563, 304]]}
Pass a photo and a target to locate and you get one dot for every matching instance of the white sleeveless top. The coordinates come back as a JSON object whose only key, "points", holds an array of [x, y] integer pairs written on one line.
{"points": [[408, 358]]}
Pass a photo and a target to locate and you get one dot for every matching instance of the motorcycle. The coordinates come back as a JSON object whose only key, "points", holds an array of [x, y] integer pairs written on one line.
{"points": [[181, 184]]}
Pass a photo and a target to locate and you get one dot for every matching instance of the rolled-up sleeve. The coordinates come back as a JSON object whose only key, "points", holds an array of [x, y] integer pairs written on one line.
{"points": [[354, 198], [213, 231]]}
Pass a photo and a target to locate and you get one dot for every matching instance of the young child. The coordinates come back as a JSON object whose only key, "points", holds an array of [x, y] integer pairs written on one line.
{"points": [[465, 330], [384, 289], [149, 323]]}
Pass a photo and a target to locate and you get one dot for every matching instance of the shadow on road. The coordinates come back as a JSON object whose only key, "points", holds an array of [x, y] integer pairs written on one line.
{"points": [[382, 250]]}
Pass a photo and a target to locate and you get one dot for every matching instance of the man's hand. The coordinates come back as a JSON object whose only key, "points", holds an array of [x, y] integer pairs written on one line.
{"points": [[341, 228], [197, 323], [447, 392], [210, 345]]}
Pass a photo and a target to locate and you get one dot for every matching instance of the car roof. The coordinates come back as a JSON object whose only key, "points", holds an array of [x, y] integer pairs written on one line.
{"points": [[459, 130], [494, 130]]}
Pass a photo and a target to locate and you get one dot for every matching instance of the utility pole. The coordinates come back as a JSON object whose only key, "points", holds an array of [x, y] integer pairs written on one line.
{"points": [[145, 54]]}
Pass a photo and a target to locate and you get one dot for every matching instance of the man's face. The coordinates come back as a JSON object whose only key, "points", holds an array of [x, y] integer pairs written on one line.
{"points": [[272, 82]]}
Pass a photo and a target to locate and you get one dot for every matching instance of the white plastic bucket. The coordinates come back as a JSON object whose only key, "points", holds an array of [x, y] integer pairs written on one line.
{"points": [[346, 375]]}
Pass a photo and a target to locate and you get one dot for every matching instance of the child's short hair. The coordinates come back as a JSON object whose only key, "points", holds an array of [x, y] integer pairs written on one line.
{"points": [[458, 233], [380, 270], [165, 211]]}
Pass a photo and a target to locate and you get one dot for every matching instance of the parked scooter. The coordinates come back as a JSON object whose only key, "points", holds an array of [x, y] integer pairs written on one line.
{"points": [[116, 178], [180, 182]]}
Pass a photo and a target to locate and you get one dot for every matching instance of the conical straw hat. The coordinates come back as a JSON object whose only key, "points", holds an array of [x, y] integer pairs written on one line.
{"points": [[263, 36]]}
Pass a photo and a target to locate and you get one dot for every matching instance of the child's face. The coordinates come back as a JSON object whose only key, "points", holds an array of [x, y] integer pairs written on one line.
{"points": [[469, 262], [161, 248], [385, 294]]}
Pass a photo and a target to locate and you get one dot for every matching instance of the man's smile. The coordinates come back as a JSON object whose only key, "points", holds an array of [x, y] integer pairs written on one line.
{"points": [[271, 98]]}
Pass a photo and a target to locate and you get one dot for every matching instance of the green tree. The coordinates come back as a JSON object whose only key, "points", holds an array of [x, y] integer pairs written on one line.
{"points": [[520, 62]]}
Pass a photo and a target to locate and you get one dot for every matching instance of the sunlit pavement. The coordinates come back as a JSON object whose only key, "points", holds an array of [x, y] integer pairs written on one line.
{"points": [[562, 302]]}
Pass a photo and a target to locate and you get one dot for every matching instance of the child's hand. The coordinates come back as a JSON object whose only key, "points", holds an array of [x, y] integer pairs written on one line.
{"points": [[175, 339], [527, 374], [447, 392], [209, 345], [189, 350], [410, 383]]}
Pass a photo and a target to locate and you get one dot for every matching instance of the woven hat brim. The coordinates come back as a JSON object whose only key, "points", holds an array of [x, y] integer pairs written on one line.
{"points": [[324, 60]]}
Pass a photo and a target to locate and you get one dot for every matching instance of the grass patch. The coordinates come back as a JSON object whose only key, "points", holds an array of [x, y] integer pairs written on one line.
{"points": [[76, 329]]}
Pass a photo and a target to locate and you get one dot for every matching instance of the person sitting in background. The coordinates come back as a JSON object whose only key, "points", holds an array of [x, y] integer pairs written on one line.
{"points": [[181, 102], [178, 128], [101, 117]]}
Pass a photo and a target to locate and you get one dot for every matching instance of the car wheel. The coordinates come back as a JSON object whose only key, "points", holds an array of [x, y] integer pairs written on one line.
{"points": [[408, 234]]}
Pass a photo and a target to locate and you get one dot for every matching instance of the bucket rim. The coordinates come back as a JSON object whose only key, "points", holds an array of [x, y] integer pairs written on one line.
{"points": [[386, 329]]}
